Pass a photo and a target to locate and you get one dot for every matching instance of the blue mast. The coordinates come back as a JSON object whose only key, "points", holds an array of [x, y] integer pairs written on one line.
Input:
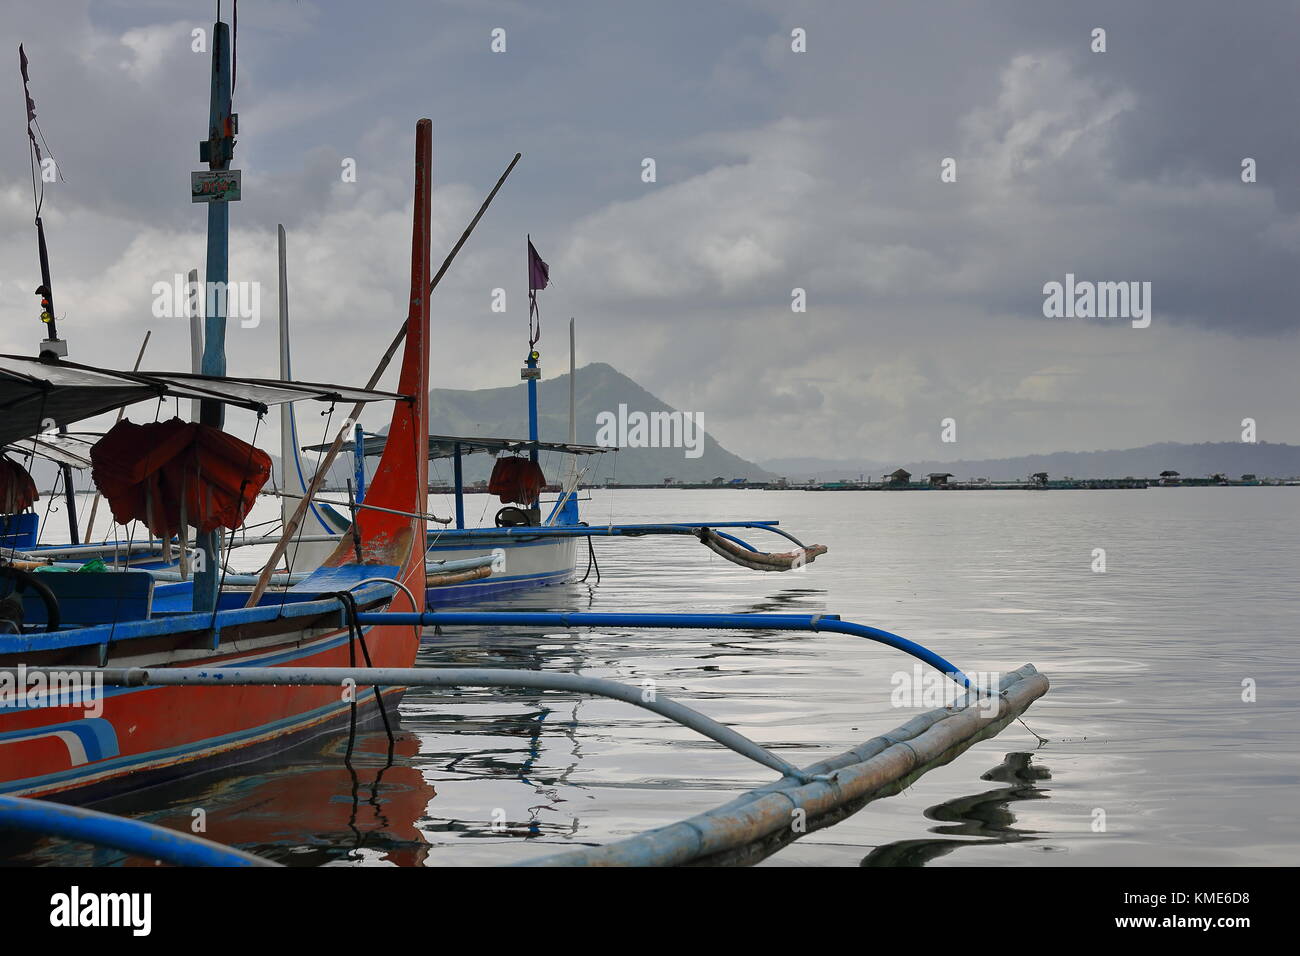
{"points": [[217, 151], [460, 487], [532, 372], [359, 463], [538, 278], [532, 400]]}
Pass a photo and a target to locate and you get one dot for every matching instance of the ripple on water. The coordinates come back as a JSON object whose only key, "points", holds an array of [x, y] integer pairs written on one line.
{"points": [[1146, 718]]}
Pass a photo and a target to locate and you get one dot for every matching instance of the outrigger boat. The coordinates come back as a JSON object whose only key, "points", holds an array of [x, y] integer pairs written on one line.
{"points": [[523, 549], [139, 737], [464, 564], [216, 683]]}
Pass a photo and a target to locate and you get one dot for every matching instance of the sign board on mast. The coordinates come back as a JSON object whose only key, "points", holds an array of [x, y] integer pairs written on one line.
{"points": [[215, 185]]}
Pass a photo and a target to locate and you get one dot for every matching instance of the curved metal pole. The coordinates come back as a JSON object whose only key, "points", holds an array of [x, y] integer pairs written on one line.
{"points": [[449, 677], [530, 533], [740, 541], [121, 833], [736, 622]]}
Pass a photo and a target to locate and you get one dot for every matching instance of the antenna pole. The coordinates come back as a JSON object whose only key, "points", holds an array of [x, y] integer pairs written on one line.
{"points": [[217, 151], [54, 348]]}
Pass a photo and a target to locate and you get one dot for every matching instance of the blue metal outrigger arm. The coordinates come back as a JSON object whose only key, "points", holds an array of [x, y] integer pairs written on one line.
{"points": [[137, 837], [731, 622], [617, 531]]}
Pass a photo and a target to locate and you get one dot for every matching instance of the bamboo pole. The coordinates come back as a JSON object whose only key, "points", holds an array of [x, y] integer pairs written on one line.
{"points": [[757, 824], [94, 504], [318, 479]]}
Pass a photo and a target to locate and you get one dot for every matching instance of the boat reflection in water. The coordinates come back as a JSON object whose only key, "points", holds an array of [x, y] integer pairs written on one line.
{"points": [[505, 728], [985, 818], [315, 805], [347, 799]]}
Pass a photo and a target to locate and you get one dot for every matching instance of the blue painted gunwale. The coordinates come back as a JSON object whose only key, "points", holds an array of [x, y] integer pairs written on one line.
{"points": [[259, 658], [292, 604]]}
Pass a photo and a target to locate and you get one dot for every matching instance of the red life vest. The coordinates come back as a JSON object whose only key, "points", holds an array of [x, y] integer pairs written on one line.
{"points": [[516, 479], [166, 474], [17, 490]]}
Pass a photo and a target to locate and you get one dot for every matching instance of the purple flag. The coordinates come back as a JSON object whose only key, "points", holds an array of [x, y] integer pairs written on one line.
{"points": [[538, 271], [539, 274]]}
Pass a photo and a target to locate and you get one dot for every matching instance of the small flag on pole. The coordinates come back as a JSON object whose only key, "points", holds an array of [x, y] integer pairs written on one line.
{"points": [[31, 104], [539, 275], [538, 271]]}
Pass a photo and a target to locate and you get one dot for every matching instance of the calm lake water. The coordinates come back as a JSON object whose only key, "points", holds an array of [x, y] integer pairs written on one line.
{"points": [[1145, 721]]}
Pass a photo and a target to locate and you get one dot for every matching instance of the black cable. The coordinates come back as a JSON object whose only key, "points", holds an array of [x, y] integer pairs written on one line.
{"points": [[591, 560], [356, 635]]}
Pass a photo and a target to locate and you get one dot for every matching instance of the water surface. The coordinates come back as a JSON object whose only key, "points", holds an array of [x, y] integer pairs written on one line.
{"points": [[1145, 721]]}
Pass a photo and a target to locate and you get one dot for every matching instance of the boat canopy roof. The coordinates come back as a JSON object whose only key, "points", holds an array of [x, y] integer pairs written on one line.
{"points": [[34, 392], [72, 449], [444, 446]]}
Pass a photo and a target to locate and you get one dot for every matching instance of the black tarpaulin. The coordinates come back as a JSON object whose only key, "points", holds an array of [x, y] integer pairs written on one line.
{"points": [[37, 396]]}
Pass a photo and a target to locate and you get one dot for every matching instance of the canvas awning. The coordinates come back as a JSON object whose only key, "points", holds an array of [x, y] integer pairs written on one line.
{"points": [[444, 446], [34, 394], [72, 449]]}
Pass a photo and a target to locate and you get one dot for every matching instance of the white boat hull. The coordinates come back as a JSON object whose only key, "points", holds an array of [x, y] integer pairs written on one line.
{"points": [[519, 565]]}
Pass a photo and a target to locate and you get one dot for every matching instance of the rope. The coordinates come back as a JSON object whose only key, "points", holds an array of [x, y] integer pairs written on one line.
{"points": [[289, 559], [357, 635], [591, 560]]}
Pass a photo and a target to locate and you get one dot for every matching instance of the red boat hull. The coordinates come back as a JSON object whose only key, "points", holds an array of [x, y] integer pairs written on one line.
{"points": [[151, 735]]}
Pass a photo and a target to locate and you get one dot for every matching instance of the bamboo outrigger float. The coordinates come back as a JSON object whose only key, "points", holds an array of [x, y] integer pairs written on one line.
{"points": [[742, 831], [762, 821]]}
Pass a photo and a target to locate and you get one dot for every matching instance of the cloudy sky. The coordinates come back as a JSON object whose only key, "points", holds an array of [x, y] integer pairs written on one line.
{"points": [[775, 170]]}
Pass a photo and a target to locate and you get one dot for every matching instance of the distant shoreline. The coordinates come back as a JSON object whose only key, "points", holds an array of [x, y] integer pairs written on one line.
{"points": [[1082, 484]]}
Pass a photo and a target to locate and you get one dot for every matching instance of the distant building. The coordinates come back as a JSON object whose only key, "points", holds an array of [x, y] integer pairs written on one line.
{"points": [[1039, 478], [900, 477], [1169, 477], [938, 479], [1249, 478]]}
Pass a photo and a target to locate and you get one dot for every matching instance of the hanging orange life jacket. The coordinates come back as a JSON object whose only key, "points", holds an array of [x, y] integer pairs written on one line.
{"points": [[174, 473], [516, 479]]}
